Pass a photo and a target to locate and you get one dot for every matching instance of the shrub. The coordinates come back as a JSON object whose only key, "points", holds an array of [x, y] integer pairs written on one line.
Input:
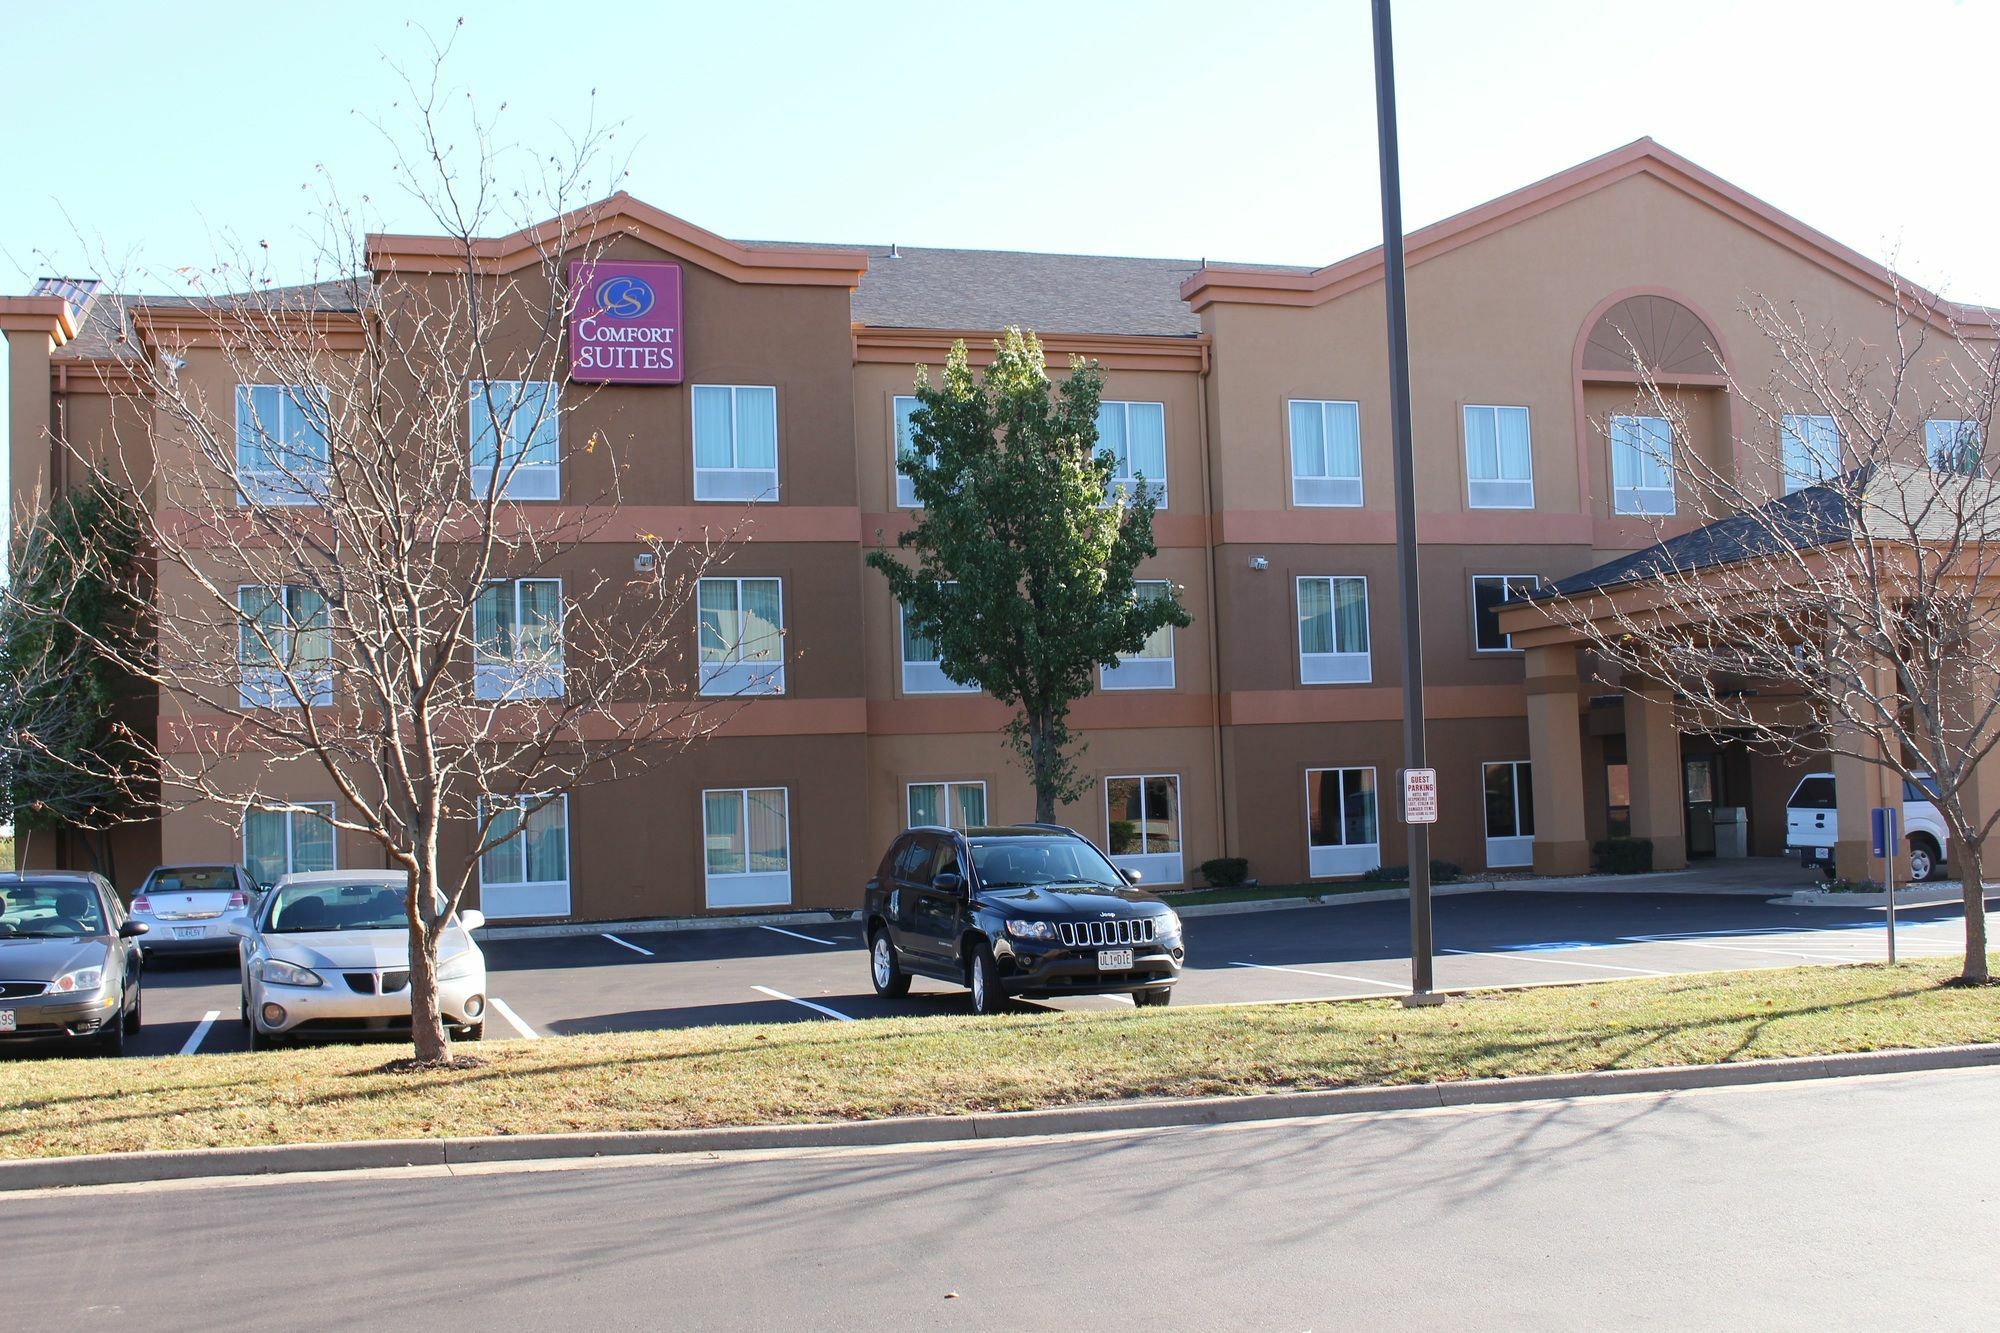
{"points": [[1225, 872], [1442, 872], [1624, 856]]}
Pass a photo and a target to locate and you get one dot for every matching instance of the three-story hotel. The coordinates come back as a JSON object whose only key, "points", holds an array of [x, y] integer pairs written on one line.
{"points": [[1256, 399]]}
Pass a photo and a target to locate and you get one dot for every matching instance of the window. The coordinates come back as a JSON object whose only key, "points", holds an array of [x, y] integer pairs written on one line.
{"points": [[947, 804], [742, 636], [1499, 464], [517, 638], [1489, 591], [923, 669], [284, 648], [1510, 814], [906, 490], [1135, 435], [281, 450], [288, 842], [528, 873], [1152, 667], [1811, 450], [735, 442], [1143, 824], [1326, 452], [1333, 631], [1617, 800], [1954, 446], [746, 838], [1341, 833], [515, 428], [1642, 465]]}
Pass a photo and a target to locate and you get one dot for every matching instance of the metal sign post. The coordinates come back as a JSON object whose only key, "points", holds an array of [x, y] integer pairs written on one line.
{"points": [[1882, 829]]}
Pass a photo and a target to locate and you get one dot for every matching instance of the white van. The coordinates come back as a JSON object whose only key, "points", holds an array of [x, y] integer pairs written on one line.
{"points": [[1812, 821]]}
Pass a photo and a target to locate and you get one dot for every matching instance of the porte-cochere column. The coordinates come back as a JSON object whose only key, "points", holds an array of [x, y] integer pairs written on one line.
{"points": [[1555, 748]]}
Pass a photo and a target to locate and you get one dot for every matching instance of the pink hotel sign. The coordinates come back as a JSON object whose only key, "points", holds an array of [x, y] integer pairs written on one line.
{"points": [[625, 323]]}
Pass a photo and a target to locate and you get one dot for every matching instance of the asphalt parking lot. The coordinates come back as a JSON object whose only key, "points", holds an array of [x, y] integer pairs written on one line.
{"points": [[818, 973]]}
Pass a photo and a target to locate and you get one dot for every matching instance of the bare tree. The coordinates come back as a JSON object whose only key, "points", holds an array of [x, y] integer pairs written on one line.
{"points": [[1847, 600], [348, 583]]}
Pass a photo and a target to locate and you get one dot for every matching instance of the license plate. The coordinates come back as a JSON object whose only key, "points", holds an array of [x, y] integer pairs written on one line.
{"points": [[6, 1020], [190, 932], [1114, 960]]}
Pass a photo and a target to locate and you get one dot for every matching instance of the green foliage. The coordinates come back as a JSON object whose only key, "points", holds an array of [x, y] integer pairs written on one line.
{"points": [[1022, 572], [1225, 872], [1624, 856], [66, 762], [1442, 872]]}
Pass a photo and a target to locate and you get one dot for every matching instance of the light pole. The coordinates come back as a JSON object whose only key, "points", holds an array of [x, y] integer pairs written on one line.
{"points": [[1403, 450]]}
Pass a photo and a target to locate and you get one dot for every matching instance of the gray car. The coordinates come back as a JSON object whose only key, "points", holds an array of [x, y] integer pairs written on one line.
{"points": [[195, 908], [70, 962]]}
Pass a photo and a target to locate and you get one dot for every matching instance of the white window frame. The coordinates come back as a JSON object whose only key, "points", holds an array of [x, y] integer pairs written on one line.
{"points": [[527, 481], [1499, 491], [1144, 673], [1809, 451], [265, 686], [906, 489], [1342, 667], [1123, 479], [1959, 429], [278, 486], [517, 678], [525, 897], [736, 674], [299, 810], [746, 888], [1328, 489], [950, 786], [1328, 860], [1643, 501], [1507, 582], [1518, 849], [922, 676], [1155, 868], [735, 484]]}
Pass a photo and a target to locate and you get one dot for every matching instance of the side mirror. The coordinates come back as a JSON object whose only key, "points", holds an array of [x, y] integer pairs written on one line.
{"points": [[132, 930], [472, 918], [950, 882], [1131, 876]]}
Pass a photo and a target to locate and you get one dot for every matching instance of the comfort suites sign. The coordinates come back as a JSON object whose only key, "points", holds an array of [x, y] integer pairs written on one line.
{"points": [[625, 325]]}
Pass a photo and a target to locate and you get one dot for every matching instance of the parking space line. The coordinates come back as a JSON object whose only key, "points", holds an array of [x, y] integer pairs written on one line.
{"points": [[628, 944], [501, 1007], [1775, 953], [809, 939], [1543, 956], [1337, 976], [793, 999], [200, 1031]]}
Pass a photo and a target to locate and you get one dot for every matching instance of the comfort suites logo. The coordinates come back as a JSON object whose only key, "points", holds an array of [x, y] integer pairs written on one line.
{"points": [[625, 322]]}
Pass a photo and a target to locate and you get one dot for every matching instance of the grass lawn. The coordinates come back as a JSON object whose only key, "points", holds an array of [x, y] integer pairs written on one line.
{"points": [[832, 1071]]}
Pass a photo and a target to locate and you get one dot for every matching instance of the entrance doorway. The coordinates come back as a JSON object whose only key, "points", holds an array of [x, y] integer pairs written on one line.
{"points": [[1698, 789]]}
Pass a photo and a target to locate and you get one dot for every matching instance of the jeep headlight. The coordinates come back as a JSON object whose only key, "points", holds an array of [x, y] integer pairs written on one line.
{"points": [[457, 967], [1030, 930], [1167, 923], [277, 972]]}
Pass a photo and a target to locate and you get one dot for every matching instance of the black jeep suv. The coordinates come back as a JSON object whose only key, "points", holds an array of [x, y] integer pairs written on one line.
{"points": [[1031, 910]]}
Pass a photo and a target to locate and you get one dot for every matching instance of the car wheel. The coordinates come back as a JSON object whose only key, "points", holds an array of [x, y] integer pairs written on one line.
{"points": [[888, 975], [1923, 860], [983, 978], [112, 1040], [133, 1019], [1147, 999]]}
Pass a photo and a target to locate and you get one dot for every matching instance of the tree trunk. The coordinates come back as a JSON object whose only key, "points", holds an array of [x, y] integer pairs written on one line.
{"points": [[1973, 879], [426, 1022], [1038, 762]]}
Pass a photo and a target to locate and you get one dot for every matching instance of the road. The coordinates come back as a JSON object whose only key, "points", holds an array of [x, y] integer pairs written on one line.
{"points": [[1858, 1203], [815, 973]]}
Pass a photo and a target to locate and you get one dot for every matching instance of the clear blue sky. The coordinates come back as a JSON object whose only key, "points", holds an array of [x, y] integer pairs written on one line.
{"points": [[1232, 131]]}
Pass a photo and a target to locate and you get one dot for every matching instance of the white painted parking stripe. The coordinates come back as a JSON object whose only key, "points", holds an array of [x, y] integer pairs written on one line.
{"points": [[816, 1008], [200, 1031], [1544, 956], [1337, 976], [500, 1007], [809, 939], [628, 944], [1776, 953]]}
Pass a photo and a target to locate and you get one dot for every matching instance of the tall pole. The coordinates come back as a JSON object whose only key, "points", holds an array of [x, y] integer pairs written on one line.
{"points": [[1404, 452]]}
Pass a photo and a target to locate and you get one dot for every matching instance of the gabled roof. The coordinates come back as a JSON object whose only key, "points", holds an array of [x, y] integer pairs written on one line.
{"points": [[1276, 286]]}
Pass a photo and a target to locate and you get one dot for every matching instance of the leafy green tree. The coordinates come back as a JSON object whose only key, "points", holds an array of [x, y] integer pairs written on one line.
{"points": [[1024, 555], [67, 762]]}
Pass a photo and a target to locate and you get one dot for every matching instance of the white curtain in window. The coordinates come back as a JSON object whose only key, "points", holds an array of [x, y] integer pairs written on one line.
{"points": [[1146, 440], [311, 638], [1111, 436], [723, 812], [493, 624], [926, 803], [763, 621], [1160, 643], [545, 842], [1316, 616], [312, 841], [1515, 462], [769, 846], [757, 428], [260, 636], [264, 844], [1309, 439], [540, 621], [714, 445], [969, 804], [1482, 445], [1350, 615], [720, 635], [501, 864]]}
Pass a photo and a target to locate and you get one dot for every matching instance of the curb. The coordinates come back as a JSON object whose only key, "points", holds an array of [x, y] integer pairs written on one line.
{"points": [[198, 1163]]}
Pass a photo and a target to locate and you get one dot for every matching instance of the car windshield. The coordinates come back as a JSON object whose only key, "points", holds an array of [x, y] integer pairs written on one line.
{"points": [[192, 878], [301, 908], [1017, 863], [50, 911]]}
